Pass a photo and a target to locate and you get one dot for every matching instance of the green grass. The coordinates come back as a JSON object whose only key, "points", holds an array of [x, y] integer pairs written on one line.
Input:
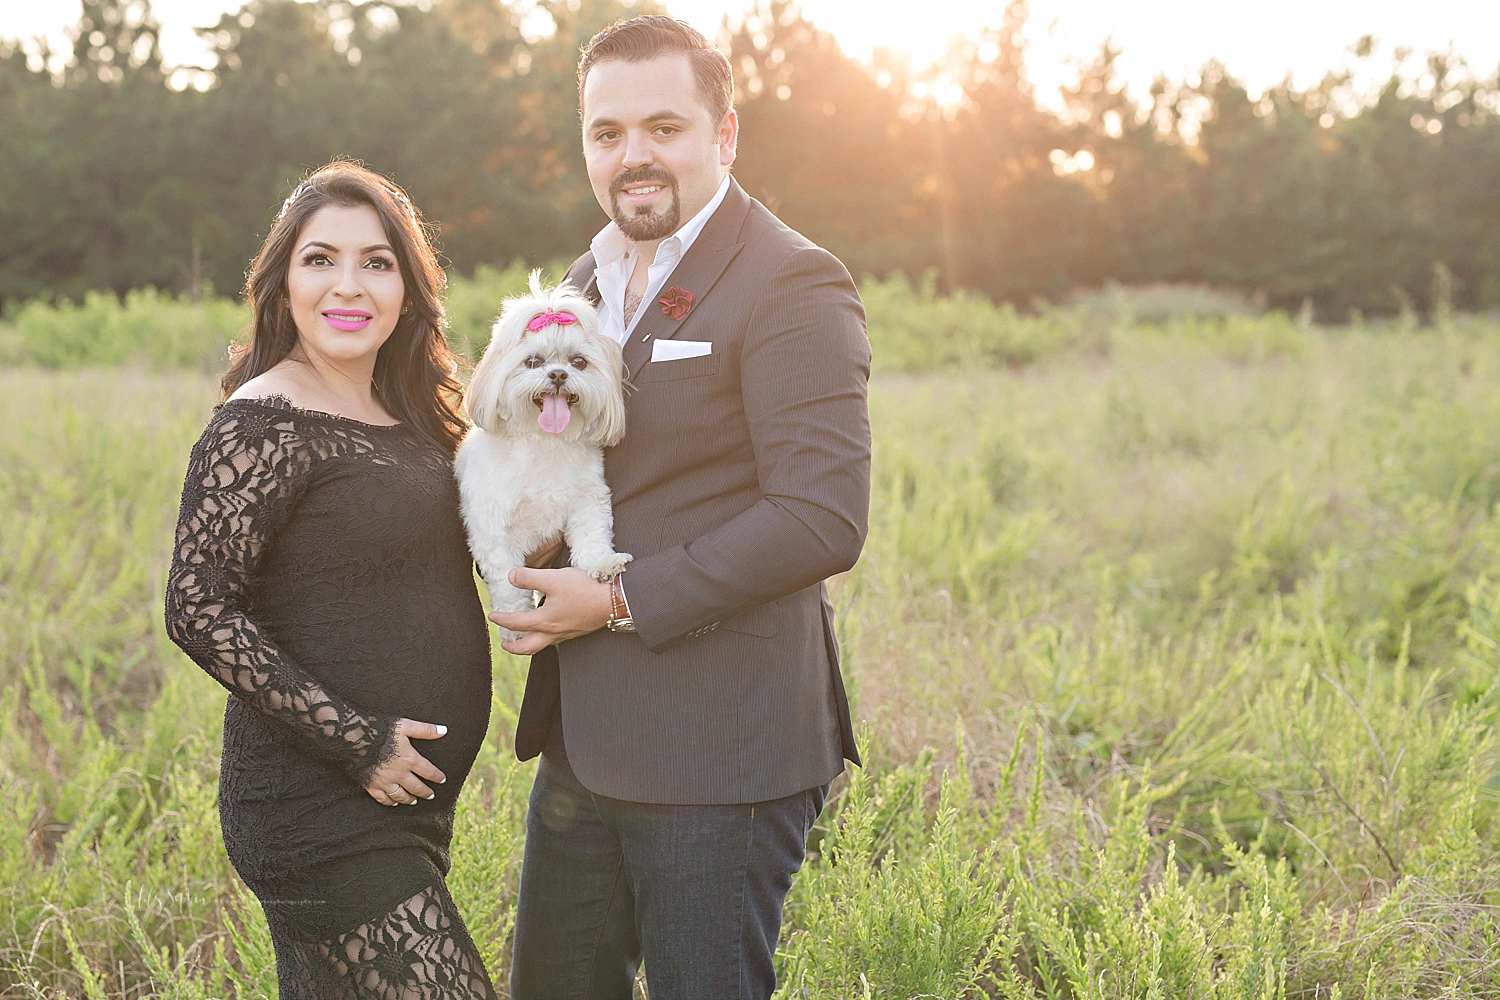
{"points": [[913, 328], [1174, 647]]}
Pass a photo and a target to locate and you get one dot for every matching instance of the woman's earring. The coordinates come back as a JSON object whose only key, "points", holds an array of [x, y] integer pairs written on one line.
{"points": [[406, 309]]}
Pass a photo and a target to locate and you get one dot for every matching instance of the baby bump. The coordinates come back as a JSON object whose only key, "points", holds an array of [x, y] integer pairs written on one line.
{"points": [[283, 812], [436, 670]]}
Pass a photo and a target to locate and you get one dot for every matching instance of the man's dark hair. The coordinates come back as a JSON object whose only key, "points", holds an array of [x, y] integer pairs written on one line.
{"points": [[637, 39]]}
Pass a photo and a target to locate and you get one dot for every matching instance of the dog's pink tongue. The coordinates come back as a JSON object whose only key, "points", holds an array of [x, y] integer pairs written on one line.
{"points": [[555, 413]]}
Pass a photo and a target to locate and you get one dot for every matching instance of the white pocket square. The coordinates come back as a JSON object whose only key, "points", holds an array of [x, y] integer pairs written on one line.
{"points": [[676, 350]]}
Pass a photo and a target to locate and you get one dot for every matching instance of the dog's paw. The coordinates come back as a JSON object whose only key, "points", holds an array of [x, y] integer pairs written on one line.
{"points": [[507, 634], [609, 567]]}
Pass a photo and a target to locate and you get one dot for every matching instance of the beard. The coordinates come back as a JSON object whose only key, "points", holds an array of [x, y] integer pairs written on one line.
{"points": [[645, 226]]}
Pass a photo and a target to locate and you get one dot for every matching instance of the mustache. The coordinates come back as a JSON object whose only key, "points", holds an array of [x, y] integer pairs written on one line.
{"points": [[636, 175]]}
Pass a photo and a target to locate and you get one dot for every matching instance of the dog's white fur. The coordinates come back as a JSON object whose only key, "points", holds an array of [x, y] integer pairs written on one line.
{"points": [[521, 486]]}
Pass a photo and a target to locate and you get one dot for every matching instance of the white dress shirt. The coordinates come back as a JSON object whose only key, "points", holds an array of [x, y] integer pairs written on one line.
{"points": [[614, 260]]}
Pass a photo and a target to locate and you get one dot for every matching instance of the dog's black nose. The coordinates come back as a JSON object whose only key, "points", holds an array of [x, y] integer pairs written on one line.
{"points": [[558, 376]]}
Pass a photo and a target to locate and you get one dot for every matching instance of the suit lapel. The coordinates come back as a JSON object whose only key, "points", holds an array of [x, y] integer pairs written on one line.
{"points": [[696, 273], [591, 290], [582, 275]]}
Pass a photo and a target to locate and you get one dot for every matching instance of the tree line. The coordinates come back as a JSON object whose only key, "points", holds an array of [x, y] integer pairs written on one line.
{"points": [[117, 171]]}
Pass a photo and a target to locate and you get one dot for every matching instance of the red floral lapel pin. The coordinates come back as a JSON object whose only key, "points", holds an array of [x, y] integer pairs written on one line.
{"points": [[676, 302]]}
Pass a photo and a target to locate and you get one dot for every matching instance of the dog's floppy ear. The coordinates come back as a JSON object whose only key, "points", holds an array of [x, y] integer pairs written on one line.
{"points": [[608, 428], [484, 398]]}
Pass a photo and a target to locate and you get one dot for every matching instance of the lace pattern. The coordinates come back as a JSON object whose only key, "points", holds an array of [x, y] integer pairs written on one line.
{"points": [[420, 950], [321, 575], [244, 479]]}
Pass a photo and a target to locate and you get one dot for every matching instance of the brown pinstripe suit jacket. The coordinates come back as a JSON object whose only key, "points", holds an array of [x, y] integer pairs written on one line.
{"points": [[742, 484]]}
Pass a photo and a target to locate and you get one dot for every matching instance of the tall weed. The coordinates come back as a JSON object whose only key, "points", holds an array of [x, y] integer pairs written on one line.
{"points": [[1219, 625]]}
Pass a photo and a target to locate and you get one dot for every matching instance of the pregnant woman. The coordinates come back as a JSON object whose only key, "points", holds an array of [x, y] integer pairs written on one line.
{"points": [[321, 575]]}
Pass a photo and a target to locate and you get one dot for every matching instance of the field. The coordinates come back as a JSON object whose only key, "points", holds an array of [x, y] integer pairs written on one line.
{"points": [[1174, 648]]}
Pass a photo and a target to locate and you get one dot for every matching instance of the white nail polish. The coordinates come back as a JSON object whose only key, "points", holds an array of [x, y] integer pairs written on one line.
{"points": [[442, 730]]}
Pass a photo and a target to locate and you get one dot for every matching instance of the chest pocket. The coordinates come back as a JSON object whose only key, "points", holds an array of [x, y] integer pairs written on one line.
{"points": [[669, 371]]}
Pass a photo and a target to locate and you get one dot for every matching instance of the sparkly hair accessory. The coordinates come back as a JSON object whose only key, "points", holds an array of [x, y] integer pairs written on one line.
{"points": [[541, 321], [394, 192], [286, 206]]}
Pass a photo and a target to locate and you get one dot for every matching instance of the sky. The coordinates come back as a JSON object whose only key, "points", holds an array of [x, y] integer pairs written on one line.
{"points": [[1260, 42]]}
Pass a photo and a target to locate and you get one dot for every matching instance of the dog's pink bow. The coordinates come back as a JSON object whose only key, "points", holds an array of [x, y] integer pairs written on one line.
{"points": [[546, 319]]}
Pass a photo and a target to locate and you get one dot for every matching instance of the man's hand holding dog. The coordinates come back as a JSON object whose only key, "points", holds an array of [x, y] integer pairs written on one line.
{"points": [[576, 604]]}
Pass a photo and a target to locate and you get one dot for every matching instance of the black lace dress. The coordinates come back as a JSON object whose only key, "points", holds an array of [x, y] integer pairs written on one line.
{"points": [[321, 574]]}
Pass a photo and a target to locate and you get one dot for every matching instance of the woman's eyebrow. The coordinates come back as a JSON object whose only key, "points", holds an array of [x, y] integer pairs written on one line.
{"points": [[329, 246]]}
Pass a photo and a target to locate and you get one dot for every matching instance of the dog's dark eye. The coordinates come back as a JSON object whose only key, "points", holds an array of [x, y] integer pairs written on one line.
{"points": [[580, 362], [535, 361]]}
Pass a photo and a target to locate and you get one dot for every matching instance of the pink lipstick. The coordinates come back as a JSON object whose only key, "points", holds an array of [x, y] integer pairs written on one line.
{"points": [[348, 320]]}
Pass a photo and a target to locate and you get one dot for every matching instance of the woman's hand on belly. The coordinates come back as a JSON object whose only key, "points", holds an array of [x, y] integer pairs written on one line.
{"points": [[402, 779]]}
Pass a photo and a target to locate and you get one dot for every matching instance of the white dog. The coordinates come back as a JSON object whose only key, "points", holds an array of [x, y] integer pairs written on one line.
{"points": [[545, 399]]}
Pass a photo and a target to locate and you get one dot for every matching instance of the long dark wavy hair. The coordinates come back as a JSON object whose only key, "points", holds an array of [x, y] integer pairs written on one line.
{"points": [[415, 372]]}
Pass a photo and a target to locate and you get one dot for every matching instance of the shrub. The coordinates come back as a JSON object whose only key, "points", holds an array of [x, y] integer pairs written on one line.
{"points": [[914, 329], [147, 326], [1155, 303]]}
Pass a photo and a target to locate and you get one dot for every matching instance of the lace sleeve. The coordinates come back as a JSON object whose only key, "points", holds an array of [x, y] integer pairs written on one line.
{"points": [[244, 478]]}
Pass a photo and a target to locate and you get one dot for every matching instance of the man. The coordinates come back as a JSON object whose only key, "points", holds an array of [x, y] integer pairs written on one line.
{"points": [[692, 717]]}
